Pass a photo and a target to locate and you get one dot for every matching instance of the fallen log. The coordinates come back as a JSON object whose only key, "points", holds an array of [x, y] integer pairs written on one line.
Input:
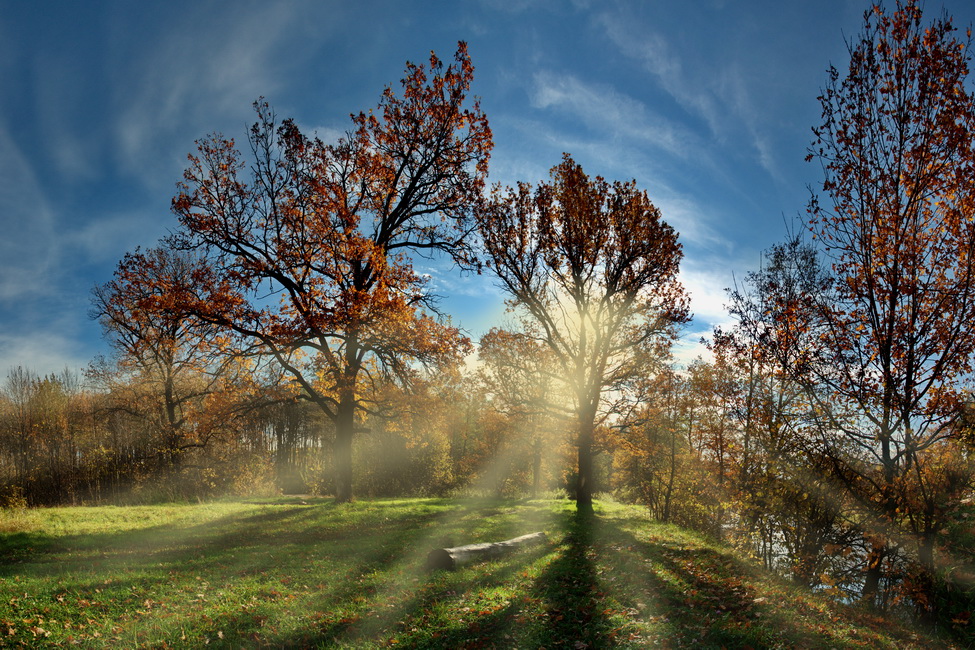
{"points": [[451, 558]]}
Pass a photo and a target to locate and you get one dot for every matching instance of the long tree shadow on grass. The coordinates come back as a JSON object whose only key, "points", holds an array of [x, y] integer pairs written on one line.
{"points": [[600, 582], [271, 551], [701, 597], [408, 608], [411, 619], [614, 581], [570, 589], [403, 603], [165, 543], [706, 596], [19, 547], [494, 605], [280, 528]]}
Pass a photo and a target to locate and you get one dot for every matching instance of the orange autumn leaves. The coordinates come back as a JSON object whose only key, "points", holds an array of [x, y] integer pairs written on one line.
{"points": [[307, 246], [592, 267]]}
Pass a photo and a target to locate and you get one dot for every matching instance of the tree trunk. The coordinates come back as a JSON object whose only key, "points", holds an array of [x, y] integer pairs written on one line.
{"points": [[344, 429], [451, 558], [874, 572], [668, 495], [584, 480], [929, 608], [925, 552], [172, 457], [536, 467]]}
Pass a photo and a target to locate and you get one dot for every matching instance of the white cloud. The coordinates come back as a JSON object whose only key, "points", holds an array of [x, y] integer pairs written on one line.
{"points": [[690, 348], [327, 134], [43, 352], [655, 53], [508, 166], [447, 281], [706, 281], [602, 108], [691, 221], [105, 238], [607, 157], [211, 66], [28, 245], [62, 94], [511, 6], [715, 91], [734, 91], [627, 141], [706, 287]]}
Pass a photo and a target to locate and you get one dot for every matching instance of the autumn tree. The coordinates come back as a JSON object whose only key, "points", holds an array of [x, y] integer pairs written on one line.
{"points": [[44, 433], [468, 402], [290, 431], [520, 375], [790, 508], [407, 445], [19, 422], [897, 222], [653, 450], [166, 362], [593, 268], [309, 243]]}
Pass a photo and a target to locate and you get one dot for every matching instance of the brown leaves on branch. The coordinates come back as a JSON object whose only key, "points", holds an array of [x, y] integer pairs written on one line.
{"points": [[592, 262], [896, 147], [880, 340], [593, 268], [308, 244]]}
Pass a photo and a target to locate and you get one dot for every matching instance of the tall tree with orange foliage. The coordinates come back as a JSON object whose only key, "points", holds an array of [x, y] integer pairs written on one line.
{"points": [[166, 362], [897, 148], [593, 267], [308, 243]]}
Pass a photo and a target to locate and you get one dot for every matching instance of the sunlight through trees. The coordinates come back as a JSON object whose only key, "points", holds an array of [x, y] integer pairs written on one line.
{"points": [[593, 267], [283, 339]]}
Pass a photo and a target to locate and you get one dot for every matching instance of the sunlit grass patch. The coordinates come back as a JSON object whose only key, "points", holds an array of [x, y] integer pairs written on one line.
{"points": [[305, 573], [18, 520]]}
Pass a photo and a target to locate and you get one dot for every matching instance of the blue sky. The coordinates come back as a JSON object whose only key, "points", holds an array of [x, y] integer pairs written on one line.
{"points": [[708, 104]]}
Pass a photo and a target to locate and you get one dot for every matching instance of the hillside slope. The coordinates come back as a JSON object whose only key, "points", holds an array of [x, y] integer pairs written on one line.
{"points": [[294, 572]]}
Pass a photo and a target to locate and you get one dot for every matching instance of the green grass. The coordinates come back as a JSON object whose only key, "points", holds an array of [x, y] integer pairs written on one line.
{"points": [[292, 572]]}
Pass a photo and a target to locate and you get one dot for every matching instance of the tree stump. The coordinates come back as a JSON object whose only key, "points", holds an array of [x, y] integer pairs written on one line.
{"points": [[451, 558]]}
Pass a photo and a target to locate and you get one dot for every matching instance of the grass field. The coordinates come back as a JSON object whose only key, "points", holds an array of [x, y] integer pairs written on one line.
{"points": [[292, 572]]}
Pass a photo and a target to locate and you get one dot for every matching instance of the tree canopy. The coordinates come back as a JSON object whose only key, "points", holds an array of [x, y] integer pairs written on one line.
{"points": [[308, 243], [594, 268]]}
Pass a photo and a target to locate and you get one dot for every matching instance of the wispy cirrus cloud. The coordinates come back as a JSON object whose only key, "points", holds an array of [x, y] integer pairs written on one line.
{"points": [[715, 91], [602, 108], [193, 78], [616, 161], [106, 237], [521, 6], [38, 322], [671, 71], [28, 243], [43, 350]]}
